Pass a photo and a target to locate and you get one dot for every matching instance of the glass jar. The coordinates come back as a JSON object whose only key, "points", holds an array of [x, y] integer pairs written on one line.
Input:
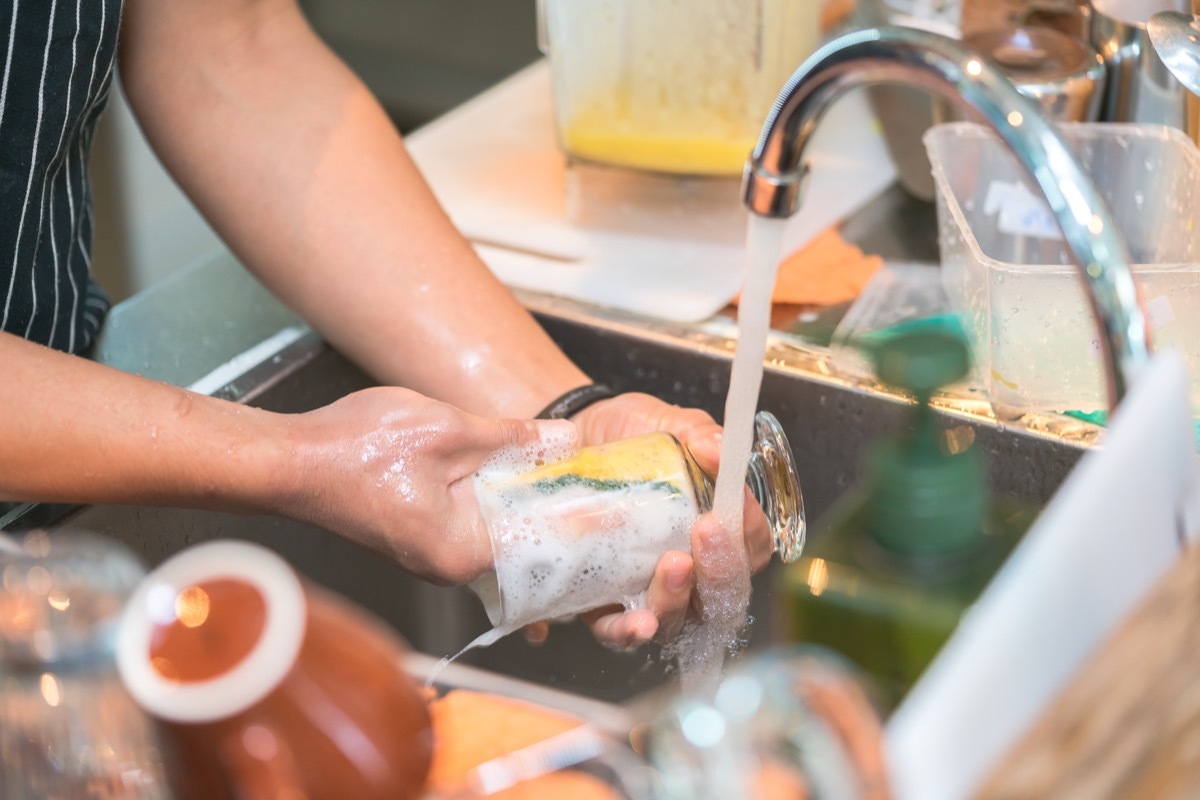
{"points": [[792, 721], [588, 530], [670, 86], [68, 728]]}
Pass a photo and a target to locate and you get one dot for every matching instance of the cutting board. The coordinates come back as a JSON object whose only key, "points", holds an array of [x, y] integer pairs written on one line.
{"points": [[674, 252]]}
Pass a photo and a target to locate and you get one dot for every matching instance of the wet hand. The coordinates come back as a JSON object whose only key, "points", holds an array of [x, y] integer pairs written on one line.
{"points": [[670, 597], [392, 470]]}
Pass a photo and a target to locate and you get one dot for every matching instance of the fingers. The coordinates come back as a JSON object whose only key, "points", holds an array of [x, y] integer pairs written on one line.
{"points": [[760, 542], [536, 632], [670, 593], [528, 441], [667, 602], [622, 630], [634, 413], [703, 441], [497, 434], [720, 560]]}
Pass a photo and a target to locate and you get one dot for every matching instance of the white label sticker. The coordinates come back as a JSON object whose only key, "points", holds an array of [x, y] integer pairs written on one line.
{"points": [[1021, 213], [1159, 312]]}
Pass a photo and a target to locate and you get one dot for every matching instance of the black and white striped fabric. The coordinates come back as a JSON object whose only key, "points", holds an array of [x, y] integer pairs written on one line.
{"points": [[57, 70]]}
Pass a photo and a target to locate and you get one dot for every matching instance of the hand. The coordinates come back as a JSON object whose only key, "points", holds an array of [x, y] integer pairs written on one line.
{"points": [[391, 469], [670, 592]]}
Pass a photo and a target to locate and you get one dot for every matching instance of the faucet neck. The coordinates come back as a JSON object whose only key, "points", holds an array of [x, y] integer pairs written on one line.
{"points": [[775, 172]]}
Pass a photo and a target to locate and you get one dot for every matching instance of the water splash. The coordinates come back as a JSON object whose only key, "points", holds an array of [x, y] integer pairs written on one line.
{"points": [[485, 639], [723, 579]]}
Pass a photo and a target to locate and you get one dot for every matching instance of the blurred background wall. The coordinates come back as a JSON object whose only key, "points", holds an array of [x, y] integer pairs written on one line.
{"points": [[420, 57]]}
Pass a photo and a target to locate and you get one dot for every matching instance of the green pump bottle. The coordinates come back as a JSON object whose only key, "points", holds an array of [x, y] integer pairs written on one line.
{"points": [[896, 562]]}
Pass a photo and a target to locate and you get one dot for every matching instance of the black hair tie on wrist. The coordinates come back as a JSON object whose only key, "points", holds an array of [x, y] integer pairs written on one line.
{"points": [[576, 400]]}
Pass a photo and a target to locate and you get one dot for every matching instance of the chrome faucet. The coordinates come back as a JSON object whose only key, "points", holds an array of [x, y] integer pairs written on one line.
{"points": [[776, 170]]}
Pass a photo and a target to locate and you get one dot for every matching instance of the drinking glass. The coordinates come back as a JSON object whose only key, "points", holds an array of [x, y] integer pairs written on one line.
{"points": [[588, 530]]}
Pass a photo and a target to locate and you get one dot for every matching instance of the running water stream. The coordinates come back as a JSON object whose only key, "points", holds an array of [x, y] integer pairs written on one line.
{"points": [[723, 577]]}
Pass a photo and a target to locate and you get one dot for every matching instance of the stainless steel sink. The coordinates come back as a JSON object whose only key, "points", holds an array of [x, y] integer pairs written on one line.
{"points": [[829, 420]]}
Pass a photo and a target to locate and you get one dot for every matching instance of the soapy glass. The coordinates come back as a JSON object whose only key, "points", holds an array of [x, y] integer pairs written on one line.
{"points": [[587, 531]]}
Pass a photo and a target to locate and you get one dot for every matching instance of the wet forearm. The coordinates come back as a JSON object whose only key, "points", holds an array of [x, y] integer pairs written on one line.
{"points": [[305, 177], [76, 431]]}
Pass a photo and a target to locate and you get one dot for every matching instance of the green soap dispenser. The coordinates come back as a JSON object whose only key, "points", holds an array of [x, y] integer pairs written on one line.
{"points": [[894, 564]]}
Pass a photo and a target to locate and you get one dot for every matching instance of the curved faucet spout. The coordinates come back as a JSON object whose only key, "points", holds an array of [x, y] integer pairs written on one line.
{"points": [[776, 169]]}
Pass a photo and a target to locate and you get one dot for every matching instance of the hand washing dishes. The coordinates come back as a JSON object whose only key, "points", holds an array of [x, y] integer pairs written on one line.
{"points": [[586, 531]]}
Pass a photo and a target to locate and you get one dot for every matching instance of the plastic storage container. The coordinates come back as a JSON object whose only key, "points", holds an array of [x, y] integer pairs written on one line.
{"points": [[669, 86], [1005, 264], [899, 298]]}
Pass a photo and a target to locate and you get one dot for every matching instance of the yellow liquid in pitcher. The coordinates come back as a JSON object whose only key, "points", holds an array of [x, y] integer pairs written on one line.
{"points": [[659, 152]]}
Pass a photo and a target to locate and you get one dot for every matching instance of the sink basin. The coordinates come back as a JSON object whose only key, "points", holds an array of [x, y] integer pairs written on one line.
{"points": [[828, 419]]}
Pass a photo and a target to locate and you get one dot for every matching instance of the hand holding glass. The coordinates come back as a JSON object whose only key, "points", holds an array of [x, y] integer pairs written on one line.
{"points": [[587, 531]]}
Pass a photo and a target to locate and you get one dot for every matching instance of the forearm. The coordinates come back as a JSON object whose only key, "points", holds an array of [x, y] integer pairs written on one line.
{"points": [[303, 174], [77, 431]]}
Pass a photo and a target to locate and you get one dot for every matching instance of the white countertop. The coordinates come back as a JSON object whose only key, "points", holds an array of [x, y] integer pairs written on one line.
{"points": [[495, 166]]}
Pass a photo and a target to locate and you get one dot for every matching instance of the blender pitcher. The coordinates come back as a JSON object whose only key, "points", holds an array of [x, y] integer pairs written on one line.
{"points": [[667, 85]]}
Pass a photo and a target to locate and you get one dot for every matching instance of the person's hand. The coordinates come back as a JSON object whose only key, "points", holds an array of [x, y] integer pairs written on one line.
{"points": [[670, 593], [391, 469]]}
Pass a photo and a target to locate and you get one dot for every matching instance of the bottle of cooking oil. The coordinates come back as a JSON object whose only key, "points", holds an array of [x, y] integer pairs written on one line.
{"points": [[895, 563]]}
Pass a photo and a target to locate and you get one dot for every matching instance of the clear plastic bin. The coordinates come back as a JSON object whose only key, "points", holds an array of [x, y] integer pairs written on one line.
{"points": [[1005, 264], [899, 297]]}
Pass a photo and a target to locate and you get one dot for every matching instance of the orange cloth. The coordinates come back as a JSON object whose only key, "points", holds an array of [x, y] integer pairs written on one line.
{"points": [[472, 727], [824, 272]]}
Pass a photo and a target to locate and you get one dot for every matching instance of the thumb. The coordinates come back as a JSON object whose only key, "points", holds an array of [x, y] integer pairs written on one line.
{"points": [[532, 435], [720, 564]]}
